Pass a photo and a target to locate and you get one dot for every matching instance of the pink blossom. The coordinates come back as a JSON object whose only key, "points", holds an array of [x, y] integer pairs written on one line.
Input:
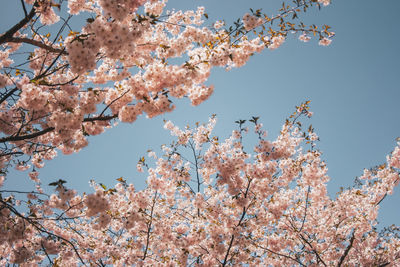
{"points": [[325, 42], [304, 38], [250, 22], [276, 42], [324, 2], [218, 24]]}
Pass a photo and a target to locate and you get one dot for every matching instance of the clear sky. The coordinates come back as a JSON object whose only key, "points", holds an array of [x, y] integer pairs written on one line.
{"points": [[353, 85]]}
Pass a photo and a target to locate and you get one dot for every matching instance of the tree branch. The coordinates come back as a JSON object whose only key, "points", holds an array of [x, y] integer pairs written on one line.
{"points": [[305, 209], [4, 98], [227, 252], [36, 43], [101, 118], [41, 228], [347, 250], [9, 34], [27, 136], [47, 130], [149, 227], [276, 253], [313, 250], [239, 223]]}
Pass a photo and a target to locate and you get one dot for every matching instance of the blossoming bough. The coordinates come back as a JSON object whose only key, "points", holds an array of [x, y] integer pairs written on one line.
{"points": [[209, 202], [74, 83]]}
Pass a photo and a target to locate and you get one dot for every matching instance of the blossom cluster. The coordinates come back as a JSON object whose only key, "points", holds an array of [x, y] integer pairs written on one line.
{"points": [[130, 58], [267, 206], [250, 21]]}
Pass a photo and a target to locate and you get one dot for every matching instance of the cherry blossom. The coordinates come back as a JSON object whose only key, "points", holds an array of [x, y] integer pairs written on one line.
{"points": [[80, 82], [210, 202], [325, 42]]}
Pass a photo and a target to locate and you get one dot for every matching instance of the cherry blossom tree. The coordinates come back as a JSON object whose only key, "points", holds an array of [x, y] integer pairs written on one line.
{"points": [[212, 202], [208, 201]]}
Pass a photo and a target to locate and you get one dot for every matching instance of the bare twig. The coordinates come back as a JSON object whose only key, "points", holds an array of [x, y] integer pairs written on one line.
{"points": [[27, 136]]}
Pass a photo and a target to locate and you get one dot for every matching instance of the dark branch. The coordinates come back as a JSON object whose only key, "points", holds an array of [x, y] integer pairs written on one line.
{"points": [[305, 209], [112, 102], [24, 8], [225, 262], [379, 202], [313, 250], [149, 227], [227, 252], [40, 228], [47, 130], [9, 34], [101, 118], [276, 253], [27, 136], [36, 43], [4, 98], [347, 250]]}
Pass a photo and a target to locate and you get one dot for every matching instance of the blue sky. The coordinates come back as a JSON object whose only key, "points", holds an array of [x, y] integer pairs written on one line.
{"points": [[353, 86]]}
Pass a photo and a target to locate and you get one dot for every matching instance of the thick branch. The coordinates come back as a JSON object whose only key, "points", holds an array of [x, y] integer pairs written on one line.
{"points": [[347, 250], [36, 43], [42, 132], [4, 98], [9, 34], [27, 136], [101, 118]]}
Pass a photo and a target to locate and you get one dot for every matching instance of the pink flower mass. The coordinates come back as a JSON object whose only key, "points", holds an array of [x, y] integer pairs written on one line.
{"points": [[208, 201]]}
